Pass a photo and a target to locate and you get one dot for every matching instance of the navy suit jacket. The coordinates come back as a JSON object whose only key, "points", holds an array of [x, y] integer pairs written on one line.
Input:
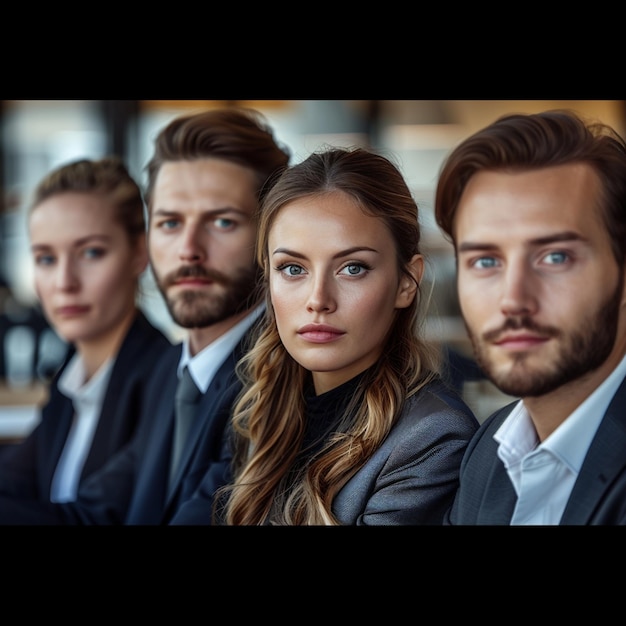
{"points": [[486, 495], [132, 488], [27, 468]]}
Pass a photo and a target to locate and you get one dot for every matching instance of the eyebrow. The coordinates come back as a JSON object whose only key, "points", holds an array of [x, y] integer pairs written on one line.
{"points": [[90, 239], [209, 212], [538, 241], [337, 255]]}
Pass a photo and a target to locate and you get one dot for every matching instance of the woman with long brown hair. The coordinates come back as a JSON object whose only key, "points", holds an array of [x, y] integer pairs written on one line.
{"points": [[343, 418]]}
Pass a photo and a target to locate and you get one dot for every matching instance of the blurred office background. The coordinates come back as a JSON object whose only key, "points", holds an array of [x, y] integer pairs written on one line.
{"points": [[36, 135]]}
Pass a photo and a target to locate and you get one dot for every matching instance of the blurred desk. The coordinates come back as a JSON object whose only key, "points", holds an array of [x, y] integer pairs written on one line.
{"points": [[19, 410]]}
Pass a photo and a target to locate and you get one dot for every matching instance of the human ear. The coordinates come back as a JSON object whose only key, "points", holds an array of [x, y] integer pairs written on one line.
{"points": [[409, 283]]}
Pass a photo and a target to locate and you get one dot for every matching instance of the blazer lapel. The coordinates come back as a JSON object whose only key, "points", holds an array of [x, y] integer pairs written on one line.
{"points": [[491, 494], [143, 345], [153, 443], [502, 497], [605, 460], [57, 428], [209, 405]]}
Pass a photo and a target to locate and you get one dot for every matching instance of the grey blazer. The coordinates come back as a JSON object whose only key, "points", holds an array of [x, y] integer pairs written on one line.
{"points": [[412, 478], [486, 495]]}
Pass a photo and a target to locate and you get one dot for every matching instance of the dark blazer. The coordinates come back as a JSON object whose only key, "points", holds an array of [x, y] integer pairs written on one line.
{"points": [[411, 479], [486, 495], [132, 488], [27, 468]]}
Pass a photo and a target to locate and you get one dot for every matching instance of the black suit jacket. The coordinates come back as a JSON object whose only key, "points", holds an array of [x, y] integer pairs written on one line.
{"points": [[486, 495], [27, 468], [132, 488]]}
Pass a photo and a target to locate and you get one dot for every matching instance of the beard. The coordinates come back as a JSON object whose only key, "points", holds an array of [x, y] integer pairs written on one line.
{"points": [[198, 309], [581, 351]]}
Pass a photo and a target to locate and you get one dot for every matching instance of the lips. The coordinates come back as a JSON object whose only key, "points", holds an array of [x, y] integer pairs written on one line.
{"points": [[520, 341], [71, 311], [192, 282], [320, 333]]}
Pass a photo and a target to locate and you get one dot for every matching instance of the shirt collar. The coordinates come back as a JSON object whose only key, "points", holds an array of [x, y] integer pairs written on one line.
{"points": [[205, 364], [571, 440], [72, 381]]}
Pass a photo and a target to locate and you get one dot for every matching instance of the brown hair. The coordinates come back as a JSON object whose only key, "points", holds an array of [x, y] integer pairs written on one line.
{"points": [[531, 141], [107, 177], [269, 417], [239, 135]]}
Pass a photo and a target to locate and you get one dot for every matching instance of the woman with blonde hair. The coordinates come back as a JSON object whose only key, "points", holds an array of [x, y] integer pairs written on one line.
{"points": [[343, 418], [87, 235]]}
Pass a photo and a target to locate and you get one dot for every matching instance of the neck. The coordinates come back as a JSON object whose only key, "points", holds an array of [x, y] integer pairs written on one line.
{"points": [[200, 338], [96, 350], [550, 410]]}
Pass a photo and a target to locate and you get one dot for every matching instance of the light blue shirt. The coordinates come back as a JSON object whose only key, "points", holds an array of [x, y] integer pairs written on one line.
{"points": [[543, 474]]}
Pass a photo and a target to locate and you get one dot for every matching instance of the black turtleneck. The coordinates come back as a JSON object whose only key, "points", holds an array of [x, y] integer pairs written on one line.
{"points": [[324, 412]]}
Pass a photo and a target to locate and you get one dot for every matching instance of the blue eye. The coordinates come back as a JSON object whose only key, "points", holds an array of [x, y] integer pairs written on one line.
{"points": [[485, 262], [169, 224], [93, 253], [556, 258], [354, 269], [223, 223], [292, 270], [44, 259]]}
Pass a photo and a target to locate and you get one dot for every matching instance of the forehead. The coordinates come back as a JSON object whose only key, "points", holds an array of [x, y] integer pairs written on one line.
{"points": [[74, 212], [315, 218], [215, 180], [334, 209], [499, 205]]}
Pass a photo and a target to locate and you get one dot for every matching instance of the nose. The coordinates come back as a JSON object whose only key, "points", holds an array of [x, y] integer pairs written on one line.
{"points": [[67, 278], [321, 297], [192, 244], [519, 291]]}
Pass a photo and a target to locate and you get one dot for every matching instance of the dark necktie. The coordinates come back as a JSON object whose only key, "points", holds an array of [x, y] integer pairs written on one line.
{"points": [[187, 396]]}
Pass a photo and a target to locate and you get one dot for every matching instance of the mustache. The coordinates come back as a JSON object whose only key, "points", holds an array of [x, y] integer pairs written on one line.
{"points": [[195, 271], [519, 323]]}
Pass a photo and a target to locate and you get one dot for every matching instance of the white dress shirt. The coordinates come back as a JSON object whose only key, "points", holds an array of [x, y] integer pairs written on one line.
{"points": [[87, 400], [205, 364], [543, 474]]}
